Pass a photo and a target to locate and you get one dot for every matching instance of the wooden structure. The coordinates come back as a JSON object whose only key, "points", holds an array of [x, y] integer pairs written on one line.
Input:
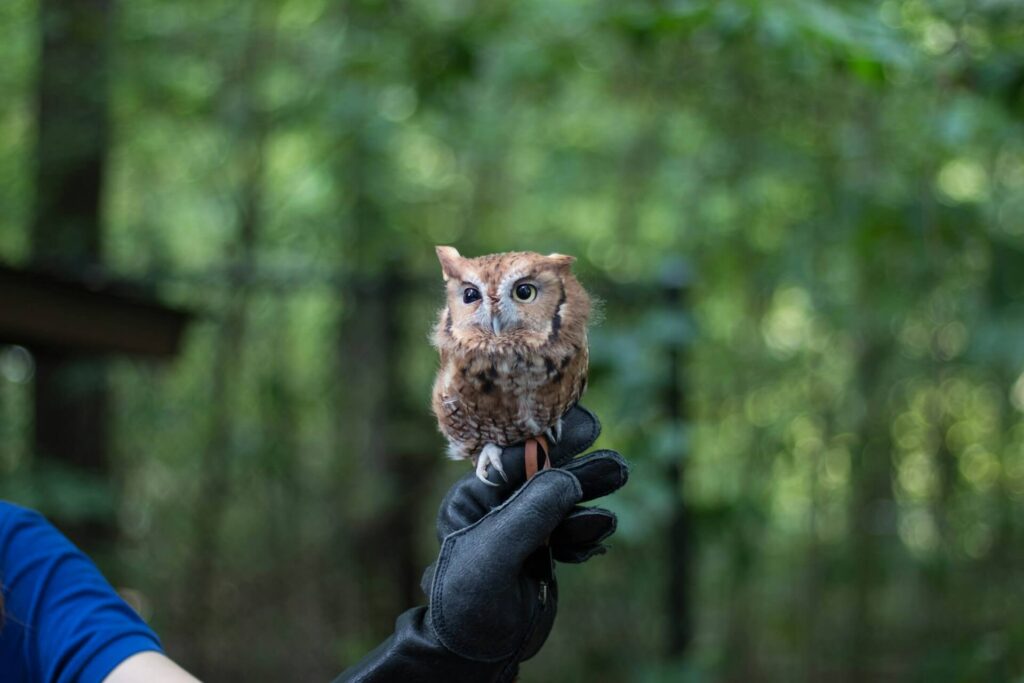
{"points": [[70, 326], [53, 314]]}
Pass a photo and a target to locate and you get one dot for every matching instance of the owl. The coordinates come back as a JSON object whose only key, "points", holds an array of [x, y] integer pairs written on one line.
{"points": [[513, 344]]}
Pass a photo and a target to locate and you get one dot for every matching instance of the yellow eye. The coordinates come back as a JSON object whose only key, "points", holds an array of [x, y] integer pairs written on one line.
{"points": [[524, 293]]}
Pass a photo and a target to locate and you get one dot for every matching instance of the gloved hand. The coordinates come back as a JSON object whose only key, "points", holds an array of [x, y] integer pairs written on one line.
{"points": [[492, 594]]}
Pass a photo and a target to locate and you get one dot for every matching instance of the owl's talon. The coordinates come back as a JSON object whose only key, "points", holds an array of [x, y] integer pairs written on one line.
{"points": [[554, 432], [490, 455], [482, 476]]}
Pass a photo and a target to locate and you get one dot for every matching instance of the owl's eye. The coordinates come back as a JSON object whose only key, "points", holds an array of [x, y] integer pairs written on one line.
{"points": [[470, 294], [525, 293]]}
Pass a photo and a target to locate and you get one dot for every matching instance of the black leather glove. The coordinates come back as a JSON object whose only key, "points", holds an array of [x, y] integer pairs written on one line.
{"points": [[492, 594]]}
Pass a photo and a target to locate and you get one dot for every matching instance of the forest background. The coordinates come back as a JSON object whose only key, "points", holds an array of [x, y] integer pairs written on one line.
{"points": [[806, 224]]}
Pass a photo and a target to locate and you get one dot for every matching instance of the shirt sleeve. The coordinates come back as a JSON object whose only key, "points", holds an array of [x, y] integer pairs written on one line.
{"points": [[63, 623]]}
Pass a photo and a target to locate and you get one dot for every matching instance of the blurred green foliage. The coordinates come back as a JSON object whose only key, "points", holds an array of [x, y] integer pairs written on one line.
{"points": [[845, 179]]}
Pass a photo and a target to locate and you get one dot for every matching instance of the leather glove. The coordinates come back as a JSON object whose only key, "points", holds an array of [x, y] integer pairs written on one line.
{"points": [[492, 592]]}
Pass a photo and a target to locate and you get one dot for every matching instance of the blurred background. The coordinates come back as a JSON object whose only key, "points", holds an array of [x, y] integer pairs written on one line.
{"points": [[806, 224]]}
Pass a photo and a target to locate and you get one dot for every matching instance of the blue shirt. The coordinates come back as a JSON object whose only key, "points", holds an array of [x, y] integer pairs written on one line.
{"points": [[63, 622]]}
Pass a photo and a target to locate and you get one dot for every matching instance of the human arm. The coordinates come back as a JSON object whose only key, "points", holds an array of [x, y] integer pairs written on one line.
{"points": [[63, 621], [149, 667], [492, 592]]}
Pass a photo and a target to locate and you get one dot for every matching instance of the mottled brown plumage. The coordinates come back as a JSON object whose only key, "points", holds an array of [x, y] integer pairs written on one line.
{"points": [[513, 346]]}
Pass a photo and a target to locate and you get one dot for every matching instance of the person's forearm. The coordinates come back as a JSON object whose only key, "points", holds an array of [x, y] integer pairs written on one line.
{"points": [[149, 667]]}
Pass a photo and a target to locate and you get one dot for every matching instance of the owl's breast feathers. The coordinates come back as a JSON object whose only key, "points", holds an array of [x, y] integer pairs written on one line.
{"points": [[508, 397]]}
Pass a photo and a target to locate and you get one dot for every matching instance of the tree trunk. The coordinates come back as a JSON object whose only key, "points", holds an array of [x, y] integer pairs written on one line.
{"points": [[679, 607], [71, 397], [384, 435], [215, 483], [215, 480], [73, 130], [871, 480]]}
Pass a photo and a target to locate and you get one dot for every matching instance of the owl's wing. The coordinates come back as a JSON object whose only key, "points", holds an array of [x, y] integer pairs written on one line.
{"points": [[578, 377]]}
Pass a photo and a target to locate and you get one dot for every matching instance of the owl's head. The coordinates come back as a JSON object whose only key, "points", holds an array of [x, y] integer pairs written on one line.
{"points": [[511, 299]]}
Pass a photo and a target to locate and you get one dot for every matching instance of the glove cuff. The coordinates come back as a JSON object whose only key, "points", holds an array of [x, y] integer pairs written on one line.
{"points": [[413, 654]]}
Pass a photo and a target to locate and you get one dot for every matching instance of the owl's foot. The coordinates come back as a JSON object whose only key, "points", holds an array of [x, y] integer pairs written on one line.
{"points": [[489, 455], [554, 432]]}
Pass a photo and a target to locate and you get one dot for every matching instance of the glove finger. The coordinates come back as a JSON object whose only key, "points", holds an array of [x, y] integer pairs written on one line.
{"points": [[599, 473], [577, 554], [470, 499], [584, 527], [525, 522], [580, 429], [464, 504]]}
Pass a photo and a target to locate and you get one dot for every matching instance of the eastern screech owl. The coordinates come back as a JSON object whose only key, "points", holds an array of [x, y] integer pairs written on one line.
{"points": [[513, 346]]}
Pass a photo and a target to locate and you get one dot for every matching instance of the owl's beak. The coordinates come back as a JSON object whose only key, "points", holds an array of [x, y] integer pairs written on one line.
{"points": [[494, 309]]}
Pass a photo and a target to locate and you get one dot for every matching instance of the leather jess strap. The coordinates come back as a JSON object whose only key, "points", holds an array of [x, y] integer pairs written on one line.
{"points": [[536, 456]]}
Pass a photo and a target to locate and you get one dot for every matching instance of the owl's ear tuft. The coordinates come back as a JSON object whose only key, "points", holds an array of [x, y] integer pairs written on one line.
{"points": [[560, 261], [451, 262]]}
